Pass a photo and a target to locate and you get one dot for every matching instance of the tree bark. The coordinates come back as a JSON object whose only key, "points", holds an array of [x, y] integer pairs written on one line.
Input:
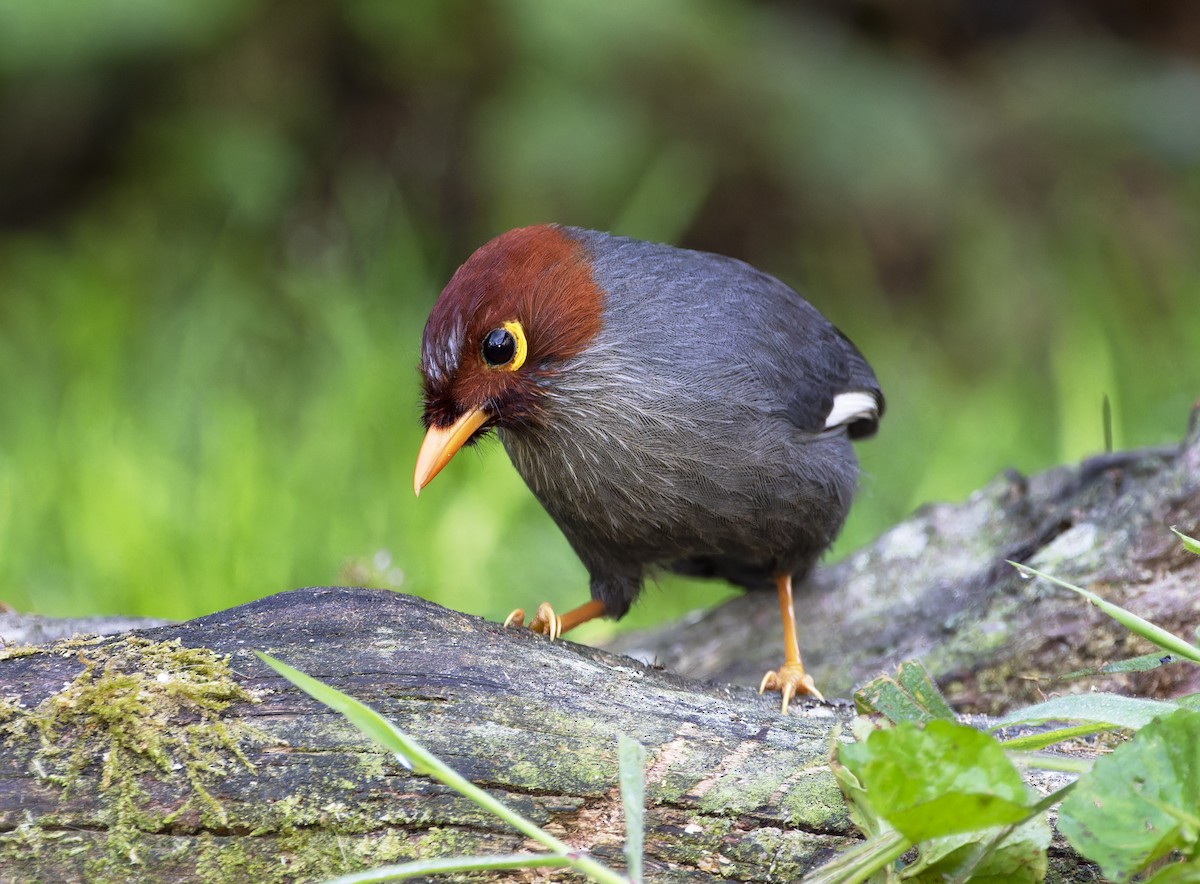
{"points": [[173, 754]]}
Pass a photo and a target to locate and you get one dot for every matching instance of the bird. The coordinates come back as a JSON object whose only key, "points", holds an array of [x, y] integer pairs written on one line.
{"points": [[672, 410]]}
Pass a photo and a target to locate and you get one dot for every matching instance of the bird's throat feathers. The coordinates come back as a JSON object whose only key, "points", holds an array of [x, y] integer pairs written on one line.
{"points": [[540, 277]]}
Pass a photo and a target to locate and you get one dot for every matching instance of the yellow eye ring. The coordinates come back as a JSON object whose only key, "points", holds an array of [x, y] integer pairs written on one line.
{"points": [[505, 347], [518, 333]]}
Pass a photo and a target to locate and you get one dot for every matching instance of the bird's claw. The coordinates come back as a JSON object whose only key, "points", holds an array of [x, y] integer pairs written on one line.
{"points": [[791, 680], [544, 621]]}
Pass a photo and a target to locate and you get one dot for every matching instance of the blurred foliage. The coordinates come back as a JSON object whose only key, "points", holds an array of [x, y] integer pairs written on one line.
{"points": [[222, 225]]}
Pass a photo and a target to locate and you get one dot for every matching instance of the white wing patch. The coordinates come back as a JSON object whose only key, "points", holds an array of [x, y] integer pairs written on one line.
{"points": [[850, 407]]}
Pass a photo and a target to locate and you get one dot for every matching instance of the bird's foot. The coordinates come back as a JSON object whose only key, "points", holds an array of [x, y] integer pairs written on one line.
{"points": [[791, 680], [544, 621]]}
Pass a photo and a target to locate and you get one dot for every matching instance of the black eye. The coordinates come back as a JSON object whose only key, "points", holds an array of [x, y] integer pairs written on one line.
{"points": [[499, 347]]}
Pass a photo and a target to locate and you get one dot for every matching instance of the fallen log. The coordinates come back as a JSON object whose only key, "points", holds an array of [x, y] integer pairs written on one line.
{"points": [[173, 754]]}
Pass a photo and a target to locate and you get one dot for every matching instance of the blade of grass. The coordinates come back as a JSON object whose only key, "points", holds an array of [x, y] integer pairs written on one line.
{"points": [[1030, 742], [373, 725], [633, 798], [450, 864], [1135, 624], [1144, 663], [860, 862], [1049, 761], [1191, 544], [419, 759]]}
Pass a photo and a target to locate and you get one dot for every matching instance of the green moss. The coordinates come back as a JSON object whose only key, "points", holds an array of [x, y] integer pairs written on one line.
{"points": [[12, 652], [372, 765], [814, 801], [742, 790], [578, 768], [312, 854], [31, 838], [138, 710], [64, 648], [700, 840], [68, 647], [221, 859], [788, 854], [10, 708]]}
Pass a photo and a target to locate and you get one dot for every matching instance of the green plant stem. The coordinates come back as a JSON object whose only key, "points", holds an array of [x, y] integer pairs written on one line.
{"points": [[1191, 544], [1047, 761], [579, 862], [632, 775], [862, 861], [450, 864], [1135, 624], [1049, 738]]}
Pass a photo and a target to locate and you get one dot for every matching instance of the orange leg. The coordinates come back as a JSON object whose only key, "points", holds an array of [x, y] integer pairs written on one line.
{"points": [[551, 624], [789, 679]]}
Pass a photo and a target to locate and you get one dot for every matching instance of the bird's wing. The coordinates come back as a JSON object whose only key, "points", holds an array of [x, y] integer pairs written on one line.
{"points": [[822, 380], [857, 400], [719, 322]]}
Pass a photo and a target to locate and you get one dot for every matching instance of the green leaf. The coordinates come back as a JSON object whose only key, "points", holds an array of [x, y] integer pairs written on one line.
{"points": [[911, 695], [1005, 855], [1109, 709], [1140, 802], [1144, 663], [862, 814], [860, 862], [1035, 741], [1191, 544], [1135, 624], [941, 780], [1047, 760], [633, 798]]}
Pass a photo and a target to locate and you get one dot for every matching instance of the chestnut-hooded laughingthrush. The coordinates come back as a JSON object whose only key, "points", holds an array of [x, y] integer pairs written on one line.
{"points": [[671, 409]]}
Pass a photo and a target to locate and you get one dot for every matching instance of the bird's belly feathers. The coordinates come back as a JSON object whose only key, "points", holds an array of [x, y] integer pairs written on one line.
{"points": [[645, 489]]}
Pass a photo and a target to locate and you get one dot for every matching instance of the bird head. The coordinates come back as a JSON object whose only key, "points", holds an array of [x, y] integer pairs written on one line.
{"points": [[510, 317]]}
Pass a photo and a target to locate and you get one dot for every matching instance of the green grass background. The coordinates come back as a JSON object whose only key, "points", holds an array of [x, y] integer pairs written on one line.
{"points": [[223, 225]]}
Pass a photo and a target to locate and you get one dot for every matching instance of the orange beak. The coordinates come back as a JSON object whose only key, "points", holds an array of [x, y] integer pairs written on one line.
{"points": [[442, 443]]}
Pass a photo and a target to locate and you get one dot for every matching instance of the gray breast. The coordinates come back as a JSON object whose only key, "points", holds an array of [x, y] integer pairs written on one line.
{"points": [[653, 468]]}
